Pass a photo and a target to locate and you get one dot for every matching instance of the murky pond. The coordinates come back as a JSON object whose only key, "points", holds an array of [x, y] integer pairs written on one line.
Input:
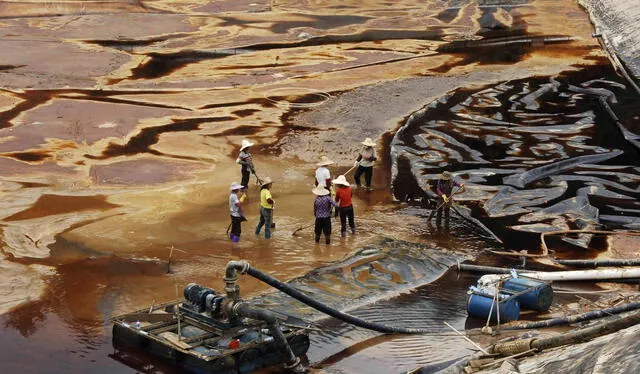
{"points": [[120, 123]]}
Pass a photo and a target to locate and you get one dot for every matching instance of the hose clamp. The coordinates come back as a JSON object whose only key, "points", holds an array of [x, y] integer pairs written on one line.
{"points": [[293, 364]]}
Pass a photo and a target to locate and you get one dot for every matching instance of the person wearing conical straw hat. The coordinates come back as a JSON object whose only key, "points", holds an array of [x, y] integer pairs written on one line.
{"points": [[322, 211], [266, 208], [236, 198], [345, 209], [246, 162], [323, 175], [444, 189], [364, 162]]}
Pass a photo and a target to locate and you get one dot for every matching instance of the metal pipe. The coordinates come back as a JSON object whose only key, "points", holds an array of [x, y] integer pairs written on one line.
{"points": [[231, 277], [578, 275], [596, 263], [233, 267], [572, 275], [487, 269]]}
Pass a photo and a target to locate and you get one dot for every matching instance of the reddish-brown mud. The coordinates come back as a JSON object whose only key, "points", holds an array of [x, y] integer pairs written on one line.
{"points": [[120, 124]]}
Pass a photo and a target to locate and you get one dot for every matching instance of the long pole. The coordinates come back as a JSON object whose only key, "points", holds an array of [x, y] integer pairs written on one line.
{"points": [[467, 339], [433, 212], [302, 228], [348, 171]]}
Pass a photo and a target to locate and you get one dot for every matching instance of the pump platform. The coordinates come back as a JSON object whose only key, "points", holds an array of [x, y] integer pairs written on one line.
{"points": [[198, 334]]}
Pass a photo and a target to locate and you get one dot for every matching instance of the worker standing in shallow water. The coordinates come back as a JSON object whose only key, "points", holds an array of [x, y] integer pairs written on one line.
{"points": [[344, 193], [323, 175], [236, 198], [364, 162], [246, 162], [266, 208], [444, 190], [322, 211]]}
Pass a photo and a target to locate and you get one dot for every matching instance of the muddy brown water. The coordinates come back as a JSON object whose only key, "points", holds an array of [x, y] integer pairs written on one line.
{"points": [[120, 123]]}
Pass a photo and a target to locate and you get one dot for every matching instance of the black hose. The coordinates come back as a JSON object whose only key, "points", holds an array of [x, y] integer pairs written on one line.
{"points": [[575, 318], [250, 311], [579, 336], [273, 282]]}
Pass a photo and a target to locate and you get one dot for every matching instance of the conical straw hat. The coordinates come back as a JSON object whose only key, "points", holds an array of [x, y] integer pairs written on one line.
{"points": [[266, 181], [324, 161], [245, 144], [236, 186], [320, 190], [368, 142], [341, 180]]}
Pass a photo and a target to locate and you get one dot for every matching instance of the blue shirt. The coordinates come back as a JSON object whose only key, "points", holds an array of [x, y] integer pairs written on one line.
{"points": [[322, 206]]}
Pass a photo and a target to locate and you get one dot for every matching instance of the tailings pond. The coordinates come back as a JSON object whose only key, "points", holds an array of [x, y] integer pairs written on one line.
{"points": [[120, 124]]}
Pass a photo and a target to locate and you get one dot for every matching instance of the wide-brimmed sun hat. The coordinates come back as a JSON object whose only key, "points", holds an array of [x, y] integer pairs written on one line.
{"points": [[445, 175], [320, 190], [368, 142], [324, 161], [342, 180], [236, 186], [245, 144], [266, 181]]}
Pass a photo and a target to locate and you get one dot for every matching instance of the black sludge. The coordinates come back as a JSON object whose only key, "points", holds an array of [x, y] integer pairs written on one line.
{"points": [[536, 154]]}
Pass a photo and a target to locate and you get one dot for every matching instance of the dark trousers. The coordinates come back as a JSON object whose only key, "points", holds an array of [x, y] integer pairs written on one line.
{"points": [[323, 225], [245, 177], [445, 207], [236, 227], [346, 212], [368, 173]]}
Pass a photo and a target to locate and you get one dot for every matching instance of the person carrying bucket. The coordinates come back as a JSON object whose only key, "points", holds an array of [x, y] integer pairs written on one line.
{"points": [[236, 198], [344, 193], [364, 162], [266, 208], [246, 163], [322, 211]]}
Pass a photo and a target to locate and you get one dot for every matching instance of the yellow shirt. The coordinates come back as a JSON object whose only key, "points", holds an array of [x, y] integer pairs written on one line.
{"points": [[265, 195]]}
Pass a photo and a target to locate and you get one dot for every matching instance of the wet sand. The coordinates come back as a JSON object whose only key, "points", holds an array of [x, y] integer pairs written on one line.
{"points": [[120, 123]]}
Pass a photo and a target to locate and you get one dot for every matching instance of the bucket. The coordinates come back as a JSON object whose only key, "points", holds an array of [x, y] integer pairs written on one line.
{"points": [[478, 305], [539, 298]]}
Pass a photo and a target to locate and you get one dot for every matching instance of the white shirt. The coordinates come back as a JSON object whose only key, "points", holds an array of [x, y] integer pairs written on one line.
{"points": [[234, 209], [322, 174]]}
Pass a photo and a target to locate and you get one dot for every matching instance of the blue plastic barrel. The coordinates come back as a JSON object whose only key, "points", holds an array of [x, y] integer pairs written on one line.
{"points": [[539, 298], [478, 305]]}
